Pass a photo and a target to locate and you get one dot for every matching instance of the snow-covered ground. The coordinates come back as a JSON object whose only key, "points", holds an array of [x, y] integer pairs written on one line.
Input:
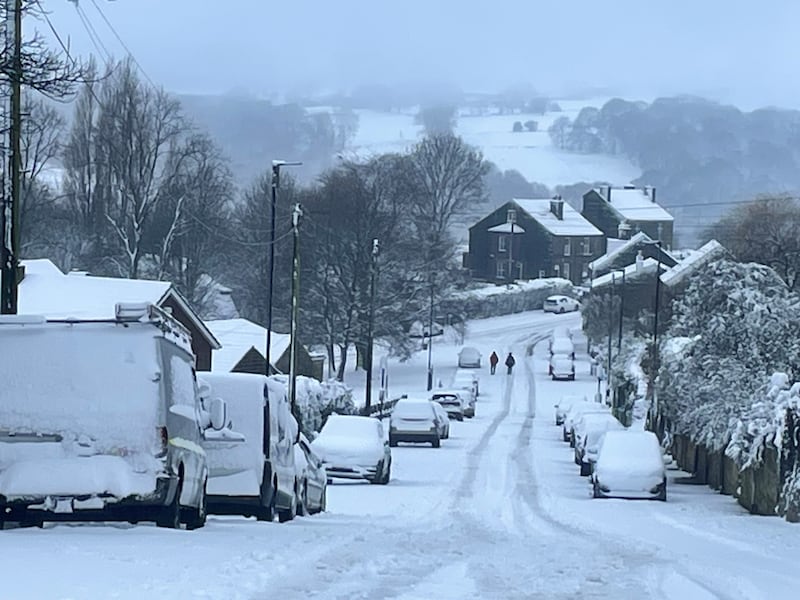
{"points": [[530, 153], [499, 511]]}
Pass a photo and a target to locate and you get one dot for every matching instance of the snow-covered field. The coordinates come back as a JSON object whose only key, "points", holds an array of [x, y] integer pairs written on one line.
{"points": [[530, 153], [498, 512]]}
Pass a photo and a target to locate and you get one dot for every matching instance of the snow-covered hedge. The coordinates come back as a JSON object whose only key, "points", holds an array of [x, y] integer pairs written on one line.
{"points": [[317, 400], [630, 380], [493, 300]]}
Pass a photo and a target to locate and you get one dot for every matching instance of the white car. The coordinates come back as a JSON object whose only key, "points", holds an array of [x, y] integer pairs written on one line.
{"points": [[354, 447], [313, 479], [414, 420], [455, 402], [587, 448], [575, 412], [468, 380], [564, 405], [444, 420], [562, 345], [630, 464], [586, 421], [469, 357], [562, 367], [560, 304]]}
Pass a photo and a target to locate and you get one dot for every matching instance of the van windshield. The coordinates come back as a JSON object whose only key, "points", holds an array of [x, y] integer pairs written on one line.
{"points": [[95, 381]]}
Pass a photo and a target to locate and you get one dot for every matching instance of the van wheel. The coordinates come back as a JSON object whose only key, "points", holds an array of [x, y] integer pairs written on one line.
{"points": [[170, 516], [199, 514], [435, 442]]}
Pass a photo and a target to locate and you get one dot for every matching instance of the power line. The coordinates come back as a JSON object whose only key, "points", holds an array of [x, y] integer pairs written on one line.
{"points": [[94, 37]]}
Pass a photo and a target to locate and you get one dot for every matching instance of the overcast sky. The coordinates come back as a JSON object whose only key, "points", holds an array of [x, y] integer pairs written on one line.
{"points": [[737, 51]]}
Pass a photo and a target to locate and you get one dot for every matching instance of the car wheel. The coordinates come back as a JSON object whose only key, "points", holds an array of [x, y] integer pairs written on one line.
{"points": [[199, 514], [392, 442], [323, 501], [266, 503], [435, 442], [170, 516], [596, 491], [564, 435], [561, 311], [662, 495], [586, 469], [290, 513], [302, 505]]}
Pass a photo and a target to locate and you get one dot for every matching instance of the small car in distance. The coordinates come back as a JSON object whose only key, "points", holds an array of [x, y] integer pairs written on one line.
{"points": [[312, 477], [560, 304], [455, 402], [562, 367], [414, 420], [469, 357], [564, 405], [443, 420], [562, 345], [575, 413], [468, 380], [630, 465], [589, 446], [354, 447]]}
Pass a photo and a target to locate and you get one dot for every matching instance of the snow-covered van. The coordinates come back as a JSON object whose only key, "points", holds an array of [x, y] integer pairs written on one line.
{"points": [[101, 420], [257, 477]]}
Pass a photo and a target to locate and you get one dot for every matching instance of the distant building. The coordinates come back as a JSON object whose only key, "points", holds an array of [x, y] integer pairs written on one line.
{"points": [[622, 253], [45, 290], [533, 238], [621, 212]]}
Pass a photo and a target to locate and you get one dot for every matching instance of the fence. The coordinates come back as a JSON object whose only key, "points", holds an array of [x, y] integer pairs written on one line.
{"points": [[380, 410]]}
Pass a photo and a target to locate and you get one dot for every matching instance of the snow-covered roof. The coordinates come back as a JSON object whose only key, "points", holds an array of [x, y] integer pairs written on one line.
{"points": [[238, 337], [506, 228], [635, 204], [696, 260], [572, 222], [46, 291], [618, 248], [648, 265]]}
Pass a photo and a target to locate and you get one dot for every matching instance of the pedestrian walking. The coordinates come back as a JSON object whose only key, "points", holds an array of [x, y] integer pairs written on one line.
{"points": [[493, 360], [510, 362]]}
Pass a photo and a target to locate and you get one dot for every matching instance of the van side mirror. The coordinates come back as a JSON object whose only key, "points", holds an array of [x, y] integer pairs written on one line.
{"points": [[219, 413]]}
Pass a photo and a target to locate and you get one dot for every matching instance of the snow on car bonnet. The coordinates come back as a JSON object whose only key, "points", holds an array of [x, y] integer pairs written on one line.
{"points": [[347, 425]]}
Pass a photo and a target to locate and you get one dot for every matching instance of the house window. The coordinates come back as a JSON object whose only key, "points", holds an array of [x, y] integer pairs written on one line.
{"points": [[542, 274], [567, 247], [511, 216], [502, 244], [501, 269], [565, 271], [587, 246]]}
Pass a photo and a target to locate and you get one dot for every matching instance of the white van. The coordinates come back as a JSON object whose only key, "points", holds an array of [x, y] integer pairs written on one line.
{"points": [[101, 420], [256, 477]]}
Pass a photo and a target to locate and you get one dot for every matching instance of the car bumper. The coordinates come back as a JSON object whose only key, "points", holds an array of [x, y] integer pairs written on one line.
{"points": [[350, 471], [413, 436]]}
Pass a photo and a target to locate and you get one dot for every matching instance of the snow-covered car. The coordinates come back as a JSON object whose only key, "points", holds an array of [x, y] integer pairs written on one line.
{"points": [[582, 424], [443, 420], [630, 464], [574, 413], [562, 367], [560, 304], [354, 447], [257, 477], [468, 380], [455, 402], [312, 477], [469, 357], [564, 405], [414, 420], [562, 345], [588, 446], [102, 420]]}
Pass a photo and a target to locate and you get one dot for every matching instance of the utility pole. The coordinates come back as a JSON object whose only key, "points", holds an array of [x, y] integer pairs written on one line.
{"points": [[371, 324], [9, 223], [610, 325], [297, 212], [430, 343], [621, 312], [654, 360], [276, 181], [511, 217]]}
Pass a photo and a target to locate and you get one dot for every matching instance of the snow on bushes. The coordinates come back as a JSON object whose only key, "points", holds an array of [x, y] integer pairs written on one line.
{"points": [[495, 300], [317, 400]]}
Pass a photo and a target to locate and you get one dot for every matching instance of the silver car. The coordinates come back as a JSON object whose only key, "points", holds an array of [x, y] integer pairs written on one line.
{"points": [[414, 421]]}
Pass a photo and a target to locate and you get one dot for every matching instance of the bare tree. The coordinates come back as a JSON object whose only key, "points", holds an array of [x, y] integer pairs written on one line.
{"points": [[764, 231]]}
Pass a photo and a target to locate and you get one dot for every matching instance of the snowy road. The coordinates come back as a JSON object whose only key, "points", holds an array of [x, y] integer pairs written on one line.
{"points": [[498, 512]]}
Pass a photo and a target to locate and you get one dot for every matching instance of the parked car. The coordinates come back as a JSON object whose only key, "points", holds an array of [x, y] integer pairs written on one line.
{"points": [[102, 421], [630, 464], [588, 445], [469, 357], [354, 447], [414, 420], [313, 478], [560, 304], [583, 423], [443, 420], [467, 379], [564, 405], [574, 414], [455, 402], [562, 367], [562, 345], [258, 477]]}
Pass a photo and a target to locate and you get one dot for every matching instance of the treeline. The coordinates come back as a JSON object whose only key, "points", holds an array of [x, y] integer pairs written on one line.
{"points": [[146, 194], [696, 152]]}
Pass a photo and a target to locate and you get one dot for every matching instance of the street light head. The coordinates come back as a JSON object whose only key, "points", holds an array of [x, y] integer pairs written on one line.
{"points": [[285, 163]]}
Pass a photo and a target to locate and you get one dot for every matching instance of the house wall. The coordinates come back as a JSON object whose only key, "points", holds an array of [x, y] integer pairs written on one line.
{"points": [[200, 345], [597, 211]]}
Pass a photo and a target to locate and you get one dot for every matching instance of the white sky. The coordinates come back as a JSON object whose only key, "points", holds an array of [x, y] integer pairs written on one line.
{"points": [[733, 50]]}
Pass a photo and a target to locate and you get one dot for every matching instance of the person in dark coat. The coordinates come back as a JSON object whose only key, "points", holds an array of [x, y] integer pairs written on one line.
{"points": [[510, 362], [493, 360]]}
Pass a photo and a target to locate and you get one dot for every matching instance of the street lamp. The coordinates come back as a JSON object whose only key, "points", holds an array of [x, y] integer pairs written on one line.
{"points": [[297, 212], [374, 269], [276, 178], [430, 343]]}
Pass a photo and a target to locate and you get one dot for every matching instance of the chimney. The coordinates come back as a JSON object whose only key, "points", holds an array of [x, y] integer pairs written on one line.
{"points": [[557, 207], [608, 196], [639, 261], [624, 230], [653, 194]]}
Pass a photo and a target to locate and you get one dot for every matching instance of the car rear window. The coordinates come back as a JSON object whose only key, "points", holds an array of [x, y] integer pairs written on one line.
{"points": [[413, 410]]}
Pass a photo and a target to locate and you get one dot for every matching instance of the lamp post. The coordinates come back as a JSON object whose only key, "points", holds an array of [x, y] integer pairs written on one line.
{"points": [[276, 180], [621, 312], [430, 343], [370, 325], [654, 360], [511, 217], [297, 212], [610, 329]]}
